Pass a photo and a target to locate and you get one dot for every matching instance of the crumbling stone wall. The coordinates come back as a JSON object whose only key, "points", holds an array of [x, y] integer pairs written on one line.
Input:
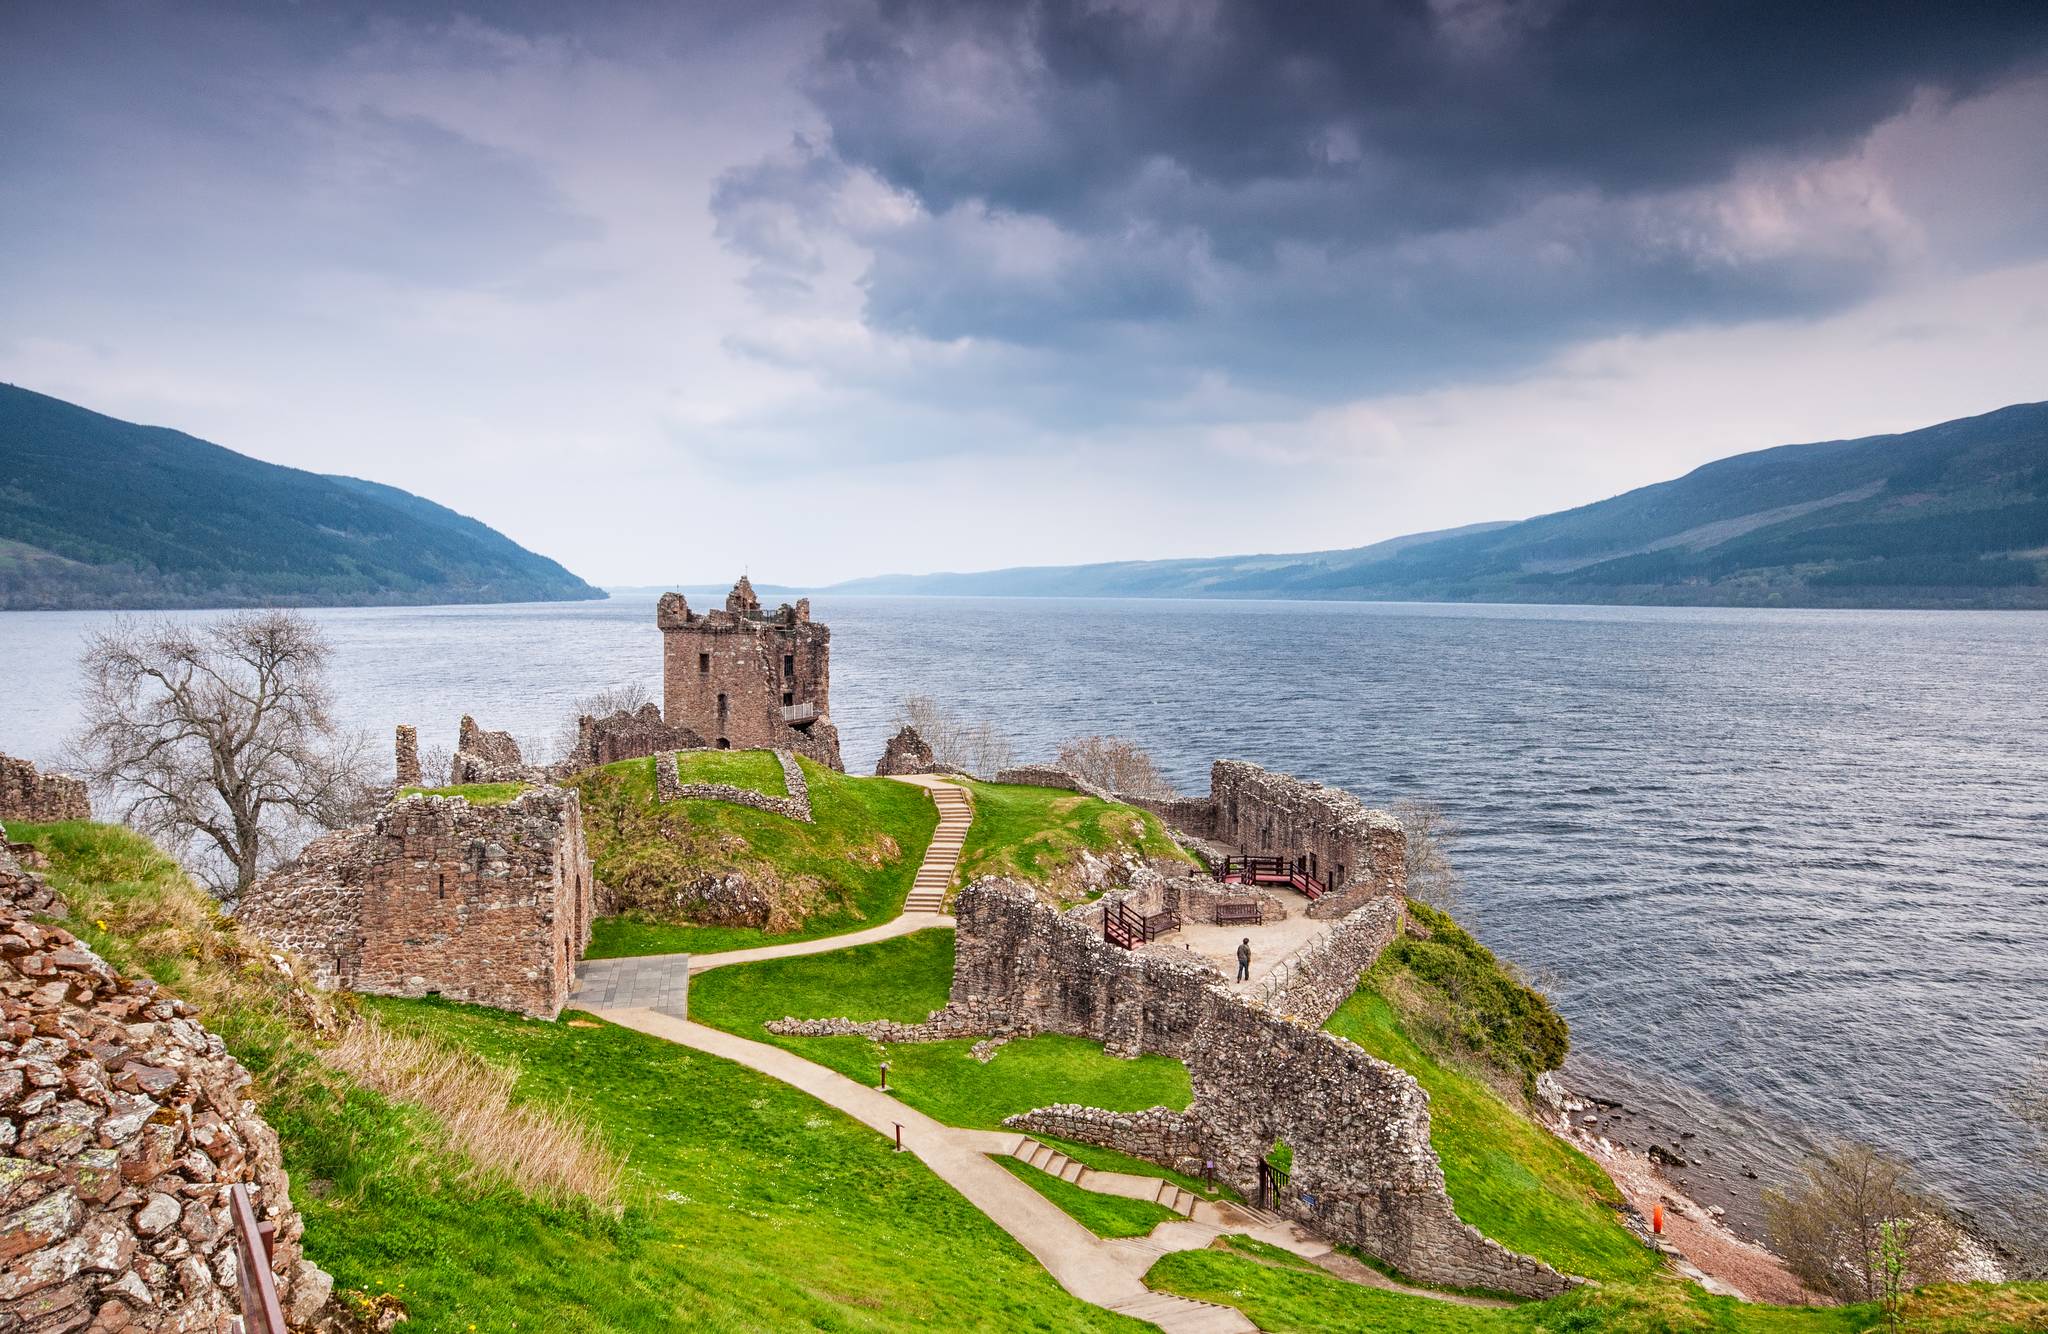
{"points": [[489, 757], [626, 736], [1364, 1171], [407, 746], [743, 678], [1359, 852], [39, 798], [122, 1125], [668, 786], [486, 904], [1045, 775], [906, 753], [1314, 980]]}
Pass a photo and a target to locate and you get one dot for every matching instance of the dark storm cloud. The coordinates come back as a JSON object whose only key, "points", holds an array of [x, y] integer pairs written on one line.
{"points": [[1343, 198]]}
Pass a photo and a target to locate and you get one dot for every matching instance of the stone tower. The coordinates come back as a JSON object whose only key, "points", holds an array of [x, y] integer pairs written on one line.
{"points": [[744, 678]]}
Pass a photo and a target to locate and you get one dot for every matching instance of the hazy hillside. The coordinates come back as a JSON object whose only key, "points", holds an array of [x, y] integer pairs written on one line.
{"points": [[1955, 515], [96, 512]]}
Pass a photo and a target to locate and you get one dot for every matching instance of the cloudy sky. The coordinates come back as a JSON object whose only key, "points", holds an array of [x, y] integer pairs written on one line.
{"points": [[664, 290]]}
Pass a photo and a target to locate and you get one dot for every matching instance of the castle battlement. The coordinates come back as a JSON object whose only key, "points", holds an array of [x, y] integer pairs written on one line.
{"points": [[743, 678]]}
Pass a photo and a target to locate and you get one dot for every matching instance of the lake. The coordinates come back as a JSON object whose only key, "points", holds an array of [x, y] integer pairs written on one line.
{"points": [[1786, 873]]}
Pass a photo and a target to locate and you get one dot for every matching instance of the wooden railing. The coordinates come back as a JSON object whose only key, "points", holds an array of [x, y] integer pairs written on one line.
{"points": [[1121, 926], [1270, 871], [261, 1313]]}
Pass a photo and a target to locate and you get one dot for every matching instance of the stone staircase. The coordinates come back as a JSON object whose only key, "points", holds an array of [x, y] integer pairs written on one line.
{"points": [[935, 875], [1184, 1315], [1054, 1163]]}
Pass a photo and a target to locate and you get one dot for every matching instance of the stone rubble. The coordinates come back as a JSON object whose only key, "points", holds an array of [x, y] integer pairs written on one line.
{"points": [[38, 798], [122, 1124]]}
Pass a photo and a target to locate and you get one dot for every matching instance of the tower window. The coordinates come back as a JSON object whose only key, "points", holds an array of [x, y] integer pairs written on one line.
{"points": [[788, 697], [703, 664], [789, 664]]}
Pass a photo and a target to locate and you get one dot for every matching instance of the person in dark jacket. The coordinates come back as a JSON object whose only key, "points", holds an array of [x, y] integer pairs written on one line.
{"points": [[1244, 960]]}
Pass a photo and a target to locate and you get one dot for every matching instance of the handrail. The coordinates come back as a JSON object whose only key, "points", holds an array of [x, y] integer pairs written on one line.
{"points": [[254, 1283]]}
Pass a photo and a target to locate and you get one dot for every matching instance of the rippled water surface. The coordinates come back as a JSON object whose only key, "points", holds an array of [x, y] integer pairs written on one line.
{"points": [[1797, 861]]}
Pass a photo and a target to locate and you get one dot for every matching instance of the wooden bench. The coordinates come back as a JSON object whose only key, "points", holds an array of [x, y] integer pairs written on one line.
{"points": [[1247, 910], [1159, 923]]}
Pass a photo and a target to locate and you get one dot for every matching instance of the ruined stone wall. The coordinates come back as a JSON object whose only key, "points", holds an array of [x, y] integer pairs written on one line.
{"points": [[1194, 816], [1044, 775], [489, 757], [906, 753], [407, 746], [39, 798], [1359, 852], [1312, 982], [122, 1123], [729, 675], [1364, 1171], [486, 904], [668, 786], [626, 736]]}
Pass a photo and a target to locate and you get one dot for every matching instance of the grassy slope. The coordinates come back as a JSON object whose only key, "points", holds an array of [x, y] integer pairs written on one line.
{"points": [[905, 979], [861, 853], [1104, 1215], [758, 1208], [1036, 832]]}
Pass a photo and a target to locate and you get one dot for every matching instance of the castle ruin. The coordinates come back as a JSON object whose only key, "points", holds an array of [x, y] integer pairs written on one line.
{"points": [[489, 904], [746, 679], [39, 798]]}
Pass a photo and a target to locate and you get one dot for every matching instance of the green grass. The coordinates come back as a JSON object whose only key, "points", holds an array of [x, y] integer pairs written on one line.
{"points": [[753, 1207], [906, 978], [1283, 1297], [755, 769], [1104, 1215], [1508, 1177], [759, 1207], [478, 794], [1468, 1000], [849, 870], [1038, 832]]}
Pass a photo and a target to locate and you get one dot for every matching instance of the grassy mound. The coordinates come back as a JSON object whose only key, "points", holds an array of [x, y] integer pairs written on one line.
{"points": [[748, 1205], [850, 869], [1104, 1215], [755, 769], [1038, 833], [906, 979], [1288, 1298]]}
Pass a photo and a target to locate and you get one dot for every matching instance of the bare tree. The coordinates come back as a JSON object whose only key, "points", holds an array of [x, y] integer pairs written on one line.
{"points": [[626, 697], [978, 747], [1428, 834], [219, 737], [1114, 764], [1831, 1230]]}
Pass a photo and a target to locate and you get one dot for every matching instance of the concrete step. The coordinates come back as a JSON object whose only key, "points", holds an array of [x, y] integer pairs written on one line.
{"points": [[1179, 1315]]}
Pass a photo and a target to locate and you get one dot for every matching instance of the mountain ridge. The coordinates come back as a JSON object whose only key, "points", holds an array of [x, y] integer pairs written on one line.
{"points": [[1951, 515], [96, 512]]}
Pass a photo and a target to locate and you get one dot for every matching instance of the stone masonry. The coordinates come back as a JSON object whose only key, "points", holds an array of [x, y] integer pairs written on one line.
{"points": [[1364, 1172], [435, 896], [743, 678], [488, 757], [408, 756], [627, 736], [1044, 775], [906, 753], [38, 798], [1359, 852], [668, 786], [122, 1124]]}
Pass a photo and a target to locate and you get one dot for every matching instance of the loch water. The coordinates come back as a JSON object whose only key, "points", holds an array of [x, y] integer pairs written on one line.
{"points": [[1785, 872]]}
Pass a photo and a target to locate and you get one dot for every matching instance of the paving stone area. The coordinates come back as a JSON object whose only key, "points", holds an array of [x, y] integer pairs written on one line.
{"points": [[660, 983]]}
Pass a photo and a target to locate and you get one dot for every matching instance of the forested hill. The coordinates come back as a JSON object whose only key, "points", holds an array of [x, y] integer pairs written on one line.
{"points": [[96, 512], [1954, 515]]}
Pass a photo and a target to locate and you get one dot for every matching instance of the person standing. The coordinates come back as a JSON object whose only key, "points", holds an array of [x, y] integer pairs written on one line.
{"points": [[1244, 960]]}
